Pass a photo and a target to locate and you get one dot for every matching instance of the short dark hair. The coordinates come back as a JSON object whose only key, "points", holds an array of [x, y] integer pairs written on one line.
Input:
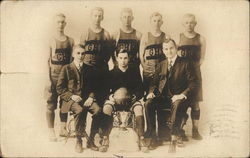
{"points": [[120, 51], [167, 40]]}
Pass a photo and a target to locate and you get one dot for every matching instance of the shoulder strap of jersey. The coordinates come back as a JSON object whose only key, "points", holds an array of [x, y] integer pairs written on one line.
{"points": [[118, 36], [53, 44], [87, 34], [146, 36], [181, 38], [198, 36], [106, 34], [138, 35]]}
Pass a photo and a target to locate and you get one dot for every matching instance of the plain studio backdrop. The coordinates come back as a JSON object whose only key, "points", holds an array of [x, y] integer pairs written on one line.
{"points": [[26, 27]]}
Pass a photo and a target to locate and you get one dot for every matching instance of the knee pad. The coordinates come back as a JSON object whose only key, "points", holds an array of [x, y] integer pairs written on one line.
{"points": [[195, 114], [78, 110]]}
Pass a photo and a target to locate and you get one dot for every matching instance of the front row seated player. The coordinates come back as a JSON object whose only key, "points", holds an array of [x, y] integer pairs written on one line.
{"points": [[126, 91]]}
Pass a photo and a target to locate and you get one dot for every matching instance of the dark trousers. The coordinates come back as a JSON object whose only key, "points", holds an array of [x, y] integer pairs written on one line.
{"points": [[178, 111], [80, 115], [153, 107]]}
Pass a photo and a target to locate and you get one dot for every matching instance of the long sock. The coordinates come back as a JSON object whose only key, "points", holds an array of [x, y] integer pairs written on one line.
{"points": [[107, 124], [63, 117], [140, 125], [94, 125], [50, 116], [195, 114]]}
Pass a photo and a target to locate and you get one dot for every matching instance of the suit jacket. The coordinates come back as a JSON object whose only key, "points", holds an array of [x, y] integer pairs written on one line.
{"points": [[180, 80], [72, 81]]}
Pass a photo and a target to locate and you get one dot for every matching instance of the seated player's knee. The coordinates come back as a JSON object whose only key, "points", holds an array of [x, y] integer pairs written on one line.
{"points": [[138, 111], [107, 109], [77, 109]]}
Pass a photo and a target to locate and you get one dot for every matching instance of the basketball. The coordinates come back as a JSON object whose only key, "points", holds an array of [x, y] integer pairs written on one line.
{"points": [[122, 97]]}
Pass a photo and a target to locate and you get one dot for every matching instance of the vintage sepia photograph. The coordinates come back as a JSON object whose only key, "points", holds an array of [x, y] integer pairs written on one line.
{"points": [[124, 78]]}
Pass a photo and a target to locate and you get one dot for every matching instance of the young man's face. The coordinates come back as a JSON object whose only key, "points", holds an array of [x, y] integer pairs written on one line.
{"points": [[156, 22], [97, 17], [122, 59], [60, 23], [189, 24], [169, 49], [126, 18], [78, 54]]}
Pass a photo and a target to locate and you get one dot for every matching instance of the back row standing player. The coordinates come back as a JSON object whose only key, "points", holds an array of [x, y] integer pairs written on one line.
{"points": [[60, 54], [193, 46], [98, 49], [150, 56], [127, 38]]}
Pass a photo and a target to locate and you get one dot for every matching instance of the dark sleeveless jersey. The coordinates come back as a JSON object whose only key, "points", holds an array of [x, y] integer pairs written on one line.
{"points": [[60, 56], [97, 47], [62, 53], [191, 47], [129, 42], [153, 53]]}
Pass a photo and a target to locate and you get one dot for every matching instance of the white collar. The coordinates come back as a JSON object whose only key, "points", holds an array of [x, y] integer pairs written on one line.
{"points": [[173, 60], [77, 64]]}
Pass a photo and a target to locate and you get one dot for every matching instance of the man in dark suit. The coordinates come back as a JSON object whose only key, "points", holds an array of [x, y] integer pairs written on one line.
{"points": [[77, 94], [177, 82]]}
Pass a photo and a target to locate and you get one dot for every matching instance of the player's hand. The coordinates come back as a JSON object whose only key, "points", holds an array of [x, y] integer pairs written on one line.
{"points": [[150, 96], [88, 102], [76, 98], [111, 98], [178, 97]]}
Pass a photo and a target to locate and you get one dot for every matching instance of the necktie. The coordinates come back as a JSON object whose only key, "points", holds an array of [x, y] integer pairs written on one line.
{"points": [[79, 67], [170, 66]]}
